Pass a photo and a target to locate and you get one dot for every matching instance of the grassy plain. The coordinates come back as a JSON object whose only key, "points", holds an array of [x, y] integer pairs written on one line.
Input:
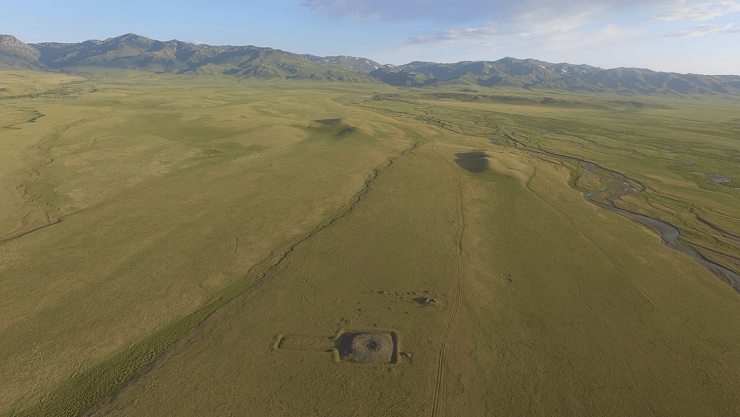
{"points": [[155, 203]]}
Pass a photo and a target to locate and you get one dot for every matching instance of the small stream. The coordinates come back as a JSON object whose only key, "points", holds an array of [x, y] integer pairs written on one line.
{"points": [[669, 234]]}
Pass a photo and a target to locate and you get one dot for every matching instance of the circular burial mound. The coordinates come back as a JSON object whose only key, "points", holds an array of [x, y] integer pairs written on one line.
{"points": [[366, 347]]}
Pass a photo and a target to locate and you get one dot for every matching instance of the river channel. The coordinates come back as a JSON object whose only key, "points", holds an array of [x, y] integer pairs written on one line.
{"points": [[622, 185]]}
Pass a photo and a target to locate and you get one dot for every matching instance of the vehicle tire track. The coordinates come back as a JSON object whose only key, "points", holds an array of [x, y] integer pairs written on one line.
{"points": [[236, 243], [439, 401]]}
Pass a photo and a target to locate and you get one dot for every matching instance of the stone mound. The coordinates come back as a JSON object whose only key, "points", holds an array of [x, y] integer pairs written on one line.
{"points": [[366, 347], [427, 302]]}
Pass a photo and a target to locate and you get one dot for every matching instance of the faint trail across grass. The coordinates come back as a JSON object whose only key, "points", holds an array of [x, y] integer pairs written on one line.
{"points": [[439, 401]]}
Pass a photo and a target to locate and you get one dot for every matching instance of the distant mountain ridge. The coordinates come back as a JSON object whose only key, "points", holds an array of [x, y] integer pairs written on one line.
{"points": [[534, 74], [137, 52]]}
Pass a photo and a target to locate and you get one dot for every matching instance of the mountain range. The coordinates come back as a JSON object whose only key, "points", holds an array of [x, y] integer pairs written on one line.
{"points": [[137, 52]]}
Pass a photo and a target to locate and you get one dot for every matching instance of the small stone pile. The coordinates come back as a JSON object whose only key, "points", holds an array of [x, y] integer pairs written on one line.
{"points": [[427, 302]]}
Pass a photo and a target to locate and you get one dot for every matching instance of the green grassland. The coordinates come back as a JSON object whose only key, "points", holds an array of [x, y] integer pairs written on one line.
{"points": [[159, 233]]}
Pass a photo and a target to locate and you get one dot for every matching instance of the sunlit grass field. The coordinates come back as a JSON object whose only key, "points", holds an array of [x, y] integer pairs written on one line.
{"points": [[159, 233]]}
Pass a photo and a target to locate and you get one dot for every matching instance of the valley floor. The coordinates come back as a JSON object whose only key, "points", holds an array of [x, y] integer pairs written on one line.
{"points": [[192, 247]]}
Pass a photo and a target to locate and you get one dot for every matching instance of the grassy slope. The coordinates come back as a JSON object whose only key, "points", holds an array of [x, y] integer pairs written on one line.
{"points": [[390, 242], [19, 151], [167, 196], [582, 313], [172, 195], [567, 310], [669, 145]]}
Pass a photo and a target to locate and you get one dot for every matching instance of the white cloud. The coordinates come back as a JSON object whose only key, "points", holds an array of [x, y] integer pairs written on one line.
{"points": [[565, 34], [528, 27], [313, 5], [351, 9], [459, 12], [702, 30], [542, 25], [684, 11], [554, 28], [578, 40], [456, 36]]}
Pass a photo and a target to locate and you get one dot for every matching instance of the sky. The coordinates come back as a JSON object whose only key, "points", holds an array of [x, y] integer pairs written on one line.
{"points": [[685, 36]]}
